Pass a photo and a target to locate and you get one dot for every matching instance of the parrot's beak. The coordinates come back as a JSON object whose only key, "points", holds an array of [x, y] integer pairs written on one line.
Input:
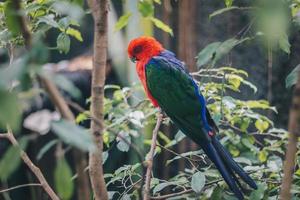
{"points": [[133, 59]]}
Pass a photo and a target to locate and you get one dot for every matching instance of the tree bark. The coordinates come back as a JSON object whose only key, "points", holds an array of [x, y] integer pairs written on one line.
{"points": [[294, 132], [99, 10], [187, 51]]}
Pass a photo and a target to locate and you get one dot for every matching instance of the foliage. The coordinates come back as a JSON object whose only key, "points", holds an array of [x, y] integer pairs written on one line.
{"points": [[146, 9]]}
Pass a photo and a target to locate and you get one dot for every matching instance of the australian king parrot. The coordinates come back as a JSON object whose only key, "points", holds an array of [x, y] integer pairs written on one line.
{"points": [[169, 86]]}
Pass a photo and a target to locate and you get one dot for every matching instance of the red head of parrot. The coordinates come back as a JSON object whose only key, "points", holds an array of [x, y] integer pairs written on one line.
{"points": [[140, 51]]}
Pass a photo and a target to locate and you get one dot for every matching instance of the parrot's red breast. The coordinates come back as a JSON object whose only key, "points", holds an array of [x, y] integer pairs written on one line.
{"points": [[141, 50]]}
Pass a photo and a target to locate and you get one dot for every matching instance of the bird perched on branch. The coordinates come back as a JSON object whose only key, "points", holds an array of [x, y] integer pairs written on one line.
{"points": [[169, 86]]}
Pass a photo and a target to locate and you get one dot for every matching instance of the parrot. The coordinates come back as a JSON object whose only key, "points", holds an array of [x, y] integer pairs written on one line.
{"points": [[170, 87]]}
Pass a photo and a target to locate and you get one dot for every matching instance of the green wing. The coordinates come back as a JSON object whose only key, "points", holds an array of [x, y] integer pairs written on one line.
{"points": [[178, 96]]}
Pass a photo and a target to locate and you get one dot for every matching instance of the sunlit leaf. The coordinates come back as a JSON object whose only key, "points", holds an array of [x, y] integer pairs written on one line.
{"points": [[262, 156], [146, 8], [63, 179], [11, 159], [73, 134], [123, 21], [122, 145], [198, 182], [161, 25], [75, 33], [261, 125], [228, 3]]}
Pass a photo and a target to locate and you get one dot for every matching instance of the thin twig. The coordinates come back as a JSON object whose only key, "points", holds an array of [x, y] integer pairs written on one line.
{"points": [[21, 186], [37, 172], [151, 155]]}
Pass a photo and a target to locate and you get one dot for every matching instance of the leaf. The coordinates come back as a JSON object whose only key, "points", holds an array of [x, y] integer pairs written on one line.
{"points": [[75, 33], [161, 25], [48, 19], [207, 54], [228, 3], [161, 186], [292, 78], [284, 43], [104, 156], [261, 125], [221, 11], [146, 8], [10, 110], [122, 145], [11, 16], [73, 134], [198, 182], [11, 160], [63, 179], [67, 85], [262, 156], [259, 193], [46, 148], [123, 21], [63, 43]]}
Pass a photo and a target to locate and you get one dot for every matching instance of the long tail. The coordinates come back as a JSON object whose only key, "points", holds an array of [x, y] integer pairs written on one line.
{"points": [[227, 167]]}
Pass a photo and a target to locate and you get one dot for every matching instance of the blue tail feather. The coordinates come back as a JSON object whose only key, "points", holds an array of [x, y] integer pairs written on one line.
{"points": [[214, 156], [230, 163]]}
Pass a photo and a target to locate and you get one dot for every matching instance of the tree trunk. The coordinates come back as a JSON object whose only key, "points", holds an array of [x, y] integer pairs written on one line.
{"points": [[99, 11], [294, 132], [187, 51]]}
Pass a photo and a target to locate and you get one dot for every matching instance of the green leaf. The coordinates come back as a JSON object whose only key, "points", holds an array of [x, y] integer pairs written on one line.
{"points": [[11, 18], [46, 148], [228, 3], [223, 10], [207, 54], [63, 43], [198, 182], [10, 110], [48, 19], [63, 179], [261, 125], [284, 43], [146, 8], [122, 145], [11, 160], [123, 21], [65, 84], [262, 156], [259, 193], [161, 186], [159, 24], [292, 78], [73, 134], [217, 193], [75, 33]]}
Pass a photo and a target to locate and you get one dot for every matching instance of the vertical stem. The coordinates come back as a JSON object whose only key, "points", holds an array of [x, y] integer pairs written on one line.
{"points": [[270, 76], [150, 157], [294, 132], [99, 11]]}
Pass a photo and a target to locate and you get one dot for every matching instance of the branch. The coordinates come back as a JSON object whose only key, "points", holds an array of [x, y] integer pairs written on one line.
{"points": [[99, 10], [21, 186], [79, 157], [294, 132], [150, 157], [37, 172]]}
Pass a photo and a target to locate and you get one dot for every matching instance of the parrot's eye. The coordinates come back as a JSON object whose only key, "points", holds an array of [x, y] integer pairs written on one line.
{"points": [[138, 49]]}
